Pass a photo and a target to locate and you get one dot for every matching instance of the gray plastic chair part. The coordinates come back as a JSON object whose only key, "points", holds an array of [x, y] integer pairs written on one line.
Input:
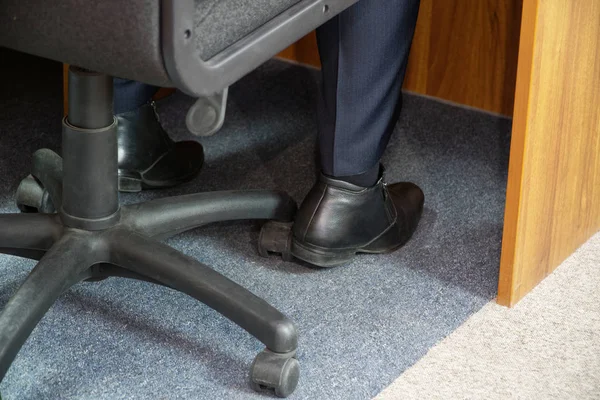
{"points": [[197, 77], [206, 116]]}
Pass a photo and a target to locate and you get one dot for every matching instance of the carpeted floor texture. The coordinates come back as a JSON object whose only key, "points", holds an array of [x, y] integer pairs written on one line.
{"points": [[360, 325], [546, 347]]}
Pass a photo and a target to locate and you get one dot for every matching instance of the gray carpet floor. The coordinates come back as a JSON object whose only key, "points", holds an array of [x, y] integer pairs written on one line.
{"points": [[361, 325]]}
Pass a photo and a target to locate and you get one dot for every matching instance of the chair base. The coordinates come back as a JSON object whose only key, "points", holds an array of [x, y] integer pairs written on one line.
{"points": [[131, 249], [92, 238]]}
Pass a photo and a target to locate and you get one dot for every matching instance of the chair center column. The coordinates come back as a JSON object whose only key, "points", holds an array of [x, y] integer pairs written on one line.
{"points": [[90, 151]]}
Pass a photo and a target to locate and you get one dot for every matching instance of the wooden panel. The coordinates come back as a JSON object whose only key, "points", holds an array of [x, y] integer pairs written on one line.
{"points": [[463, 51], [417, 71], [553, 193], [466, 51], [303, 51]]}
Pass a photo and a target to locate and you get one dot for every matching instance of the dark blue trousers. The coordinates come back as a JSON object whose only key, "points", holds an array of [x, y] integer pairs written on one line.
{"points": [[364, 52]]}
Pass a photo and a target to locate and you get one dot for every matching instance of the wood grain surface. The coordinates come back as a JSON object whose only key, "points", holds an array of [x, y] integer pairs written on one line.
{"points": [[553, 193]]}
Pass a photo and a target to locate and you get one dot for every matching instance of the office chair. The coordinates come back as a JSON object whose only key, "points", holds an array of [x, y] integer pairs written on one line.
{"points": [[198, 46]]}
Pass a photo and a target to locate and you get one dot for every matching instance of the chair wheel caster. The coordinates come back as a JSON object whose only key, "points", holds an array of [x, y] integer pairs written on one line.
{"points": [[32, 197], [275, 371], [276, 237]]}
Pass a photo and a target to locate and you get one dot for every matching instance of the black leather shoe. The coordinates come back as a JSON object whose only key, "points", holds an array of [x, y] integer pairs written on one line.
{"points": [[148, 158], [337, 220]]}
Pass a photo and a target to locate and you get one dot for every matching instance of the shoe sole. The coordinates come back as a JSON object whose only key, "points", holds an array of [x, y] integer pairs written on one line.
{"points": [[391, 240]]}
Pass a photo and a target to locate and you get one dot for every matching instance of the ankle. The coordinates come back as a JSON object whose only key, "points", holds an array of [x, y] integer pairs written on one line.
{"points": [[365, 179]]}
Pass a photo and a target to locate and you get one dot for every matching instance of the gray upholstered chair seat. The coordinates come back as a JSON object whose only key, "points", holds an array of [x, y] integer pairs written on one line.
{"points": [[200, 46]]}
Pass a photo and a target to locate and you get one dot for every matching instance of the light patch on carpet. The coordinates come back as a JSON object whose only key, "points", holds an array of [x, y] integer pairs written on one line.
{"points": [[546, 347]]}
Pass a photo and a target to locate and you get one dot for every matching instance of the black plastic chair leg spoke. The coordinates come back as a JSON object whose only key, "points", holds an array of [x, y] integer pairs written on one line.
{"points": [[27, 235], [103, 271], [163, 218], [58, 270], [178, 271]]}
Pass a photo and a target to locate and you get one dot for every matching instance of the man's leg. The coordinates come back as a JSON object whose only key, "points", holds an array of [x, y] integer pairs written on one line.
{"points": [[364, 52], [148, 158], [130, 95]]}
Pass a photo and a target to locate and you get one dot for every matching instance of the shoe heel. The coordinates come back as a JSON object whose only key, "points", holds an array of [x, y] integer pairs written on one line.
{"points": [[320, 257], [390, 240]]}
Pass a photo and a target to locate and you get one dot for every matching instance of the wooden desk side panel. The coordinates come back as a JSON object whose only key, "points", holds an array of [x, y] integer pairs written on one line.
{"points": [[553, 194], [465, 51]]}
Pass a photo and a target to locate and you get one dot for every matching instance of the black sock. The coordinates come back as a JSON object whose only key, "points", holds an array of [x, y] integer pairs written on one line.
{"points": [[366, 179]]}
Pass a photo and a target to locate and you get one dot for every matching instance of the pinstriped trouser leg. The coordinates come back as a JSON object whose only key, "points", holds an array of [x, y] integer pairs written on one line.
{"points": [[364, 52]]}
